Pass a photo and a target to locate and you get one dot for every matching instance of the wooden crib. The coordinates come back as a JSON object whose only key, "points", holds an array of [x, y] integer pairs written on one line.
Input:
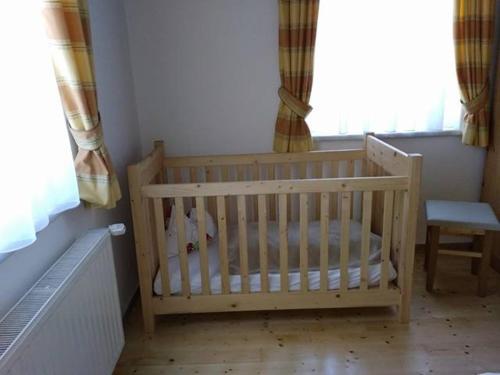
{"points": [[377, 185]]}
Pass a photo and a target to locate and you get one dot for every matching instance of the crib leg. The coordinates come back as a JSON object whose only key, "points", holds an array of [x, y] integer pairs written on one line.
{"points": [[149, 323], [404, 311], [148, 315]]}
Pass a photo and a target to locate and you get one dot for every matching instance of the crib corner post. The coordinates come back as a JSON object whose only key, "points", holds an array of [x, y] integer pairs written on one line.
{"points": [[365, 149], [149, 319], [365, 141], [142, 253], [365, 138], [159, 144], [410, 231]]}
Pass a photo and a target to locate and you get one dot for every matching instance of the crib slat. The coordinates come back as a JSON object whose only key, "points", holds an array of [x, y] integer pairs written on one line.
{"points": [[283, 229], [181, 246], [396, 224], [365, 238], [324, 223], [202, 238], [404, 217], [334, 196], [240, 175], [303, 171], [255, 177], [287, 171], [317, 173], [386, 238], [193, 178], [242, 236], [177, 175], [224, 173], [272, 197], [350, 168], [222, 229], [162, 248], [287, 175], [344, 240], [224, 177], [264, 282], [350, 173], [373, 170], [240, 169], [304, 241], [211, 176]]}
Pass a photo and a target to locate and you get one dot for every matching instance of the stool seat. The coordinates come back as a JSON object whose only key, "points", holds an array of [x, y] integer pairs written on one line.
{"points": [[472, 215], [469, 218]]}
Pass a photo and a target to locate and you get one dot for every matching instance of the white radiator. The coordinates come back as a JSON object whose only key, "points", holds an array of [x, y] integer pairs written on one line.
{"points": [[69, 323]]}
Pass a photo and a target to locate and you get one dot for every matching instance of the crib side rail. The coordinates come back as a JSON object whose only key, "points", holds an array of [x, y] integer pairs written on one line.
{"points": [[284, 190], [264, 158], [275, 187]]}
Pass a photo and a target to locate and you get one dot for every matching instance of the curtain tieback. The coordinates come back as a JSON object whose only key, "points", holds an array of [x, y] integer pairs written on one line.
{"points": [[479, 102], [88, 139], [297, 106]]}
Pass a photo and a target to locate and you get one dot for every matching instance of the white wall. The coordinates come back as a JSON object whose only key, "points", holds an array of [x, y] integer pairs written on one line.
{"points": [[206, 76], [117, 106]]}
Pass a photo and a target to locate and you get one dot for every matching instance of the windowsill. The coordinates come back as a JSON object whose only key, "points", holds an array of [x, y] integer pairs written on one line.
{"points": [[418, 134]]}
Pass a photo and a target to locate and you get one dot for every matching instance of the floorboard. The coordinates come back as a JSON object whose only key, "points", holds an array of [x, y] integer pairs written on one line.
{"points": [[452, 331]]}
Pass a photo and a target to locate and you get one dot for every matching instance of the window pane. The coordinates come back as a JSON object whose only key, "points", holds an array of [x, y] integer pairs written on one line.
{"points": [[384, 66], [38, 177]]}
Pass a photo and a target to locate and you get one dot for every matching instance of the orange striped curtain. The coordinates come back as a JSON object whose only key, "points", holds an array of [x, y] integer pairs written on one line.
{"points": [[473, 33], [68, 29], [297, 36]]}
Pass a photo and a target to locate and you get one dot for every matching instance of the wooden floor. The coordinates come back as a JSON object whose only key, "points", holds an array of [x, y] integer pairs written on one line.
{"points": [[452, 332]]}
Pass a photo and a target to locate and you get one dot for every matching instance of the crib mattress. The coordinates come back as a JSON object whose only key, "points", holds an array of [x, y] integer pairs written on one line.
{"points": [[273, 260]]}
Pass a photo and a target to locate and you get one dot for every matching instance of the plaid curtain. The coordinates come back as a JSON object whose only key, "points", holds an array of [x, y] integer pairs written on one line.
{"points": [[297, 36], [68, 30], [473, 33]]}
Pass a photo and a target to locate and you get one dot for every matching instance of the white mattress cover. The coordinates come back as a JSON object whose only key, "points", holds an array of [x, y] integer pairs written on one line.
{"points": [[273, 250]]}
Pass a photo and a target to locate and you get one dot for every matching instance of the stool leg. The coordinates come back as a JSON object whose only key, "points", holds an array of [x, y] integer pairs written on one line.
{"points": [[427, 247], [475, 262], [484, 266], [432, 258]]}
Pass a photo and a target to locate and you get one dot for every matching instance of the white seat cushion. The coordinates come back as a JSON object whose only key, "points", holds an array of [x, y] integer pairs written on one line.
{"points": [[473, 215]]}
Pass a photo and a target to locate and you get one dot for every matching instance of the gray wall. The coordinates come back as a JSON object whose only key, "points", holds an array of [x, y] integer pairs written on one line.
{"points": [[206, 76], [117, 106], [205, 73]]}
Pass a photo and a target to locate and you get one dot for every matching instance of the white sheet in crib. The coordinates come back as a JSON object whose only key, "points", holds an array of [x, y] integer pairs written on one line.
{"points": [[274, 277]]}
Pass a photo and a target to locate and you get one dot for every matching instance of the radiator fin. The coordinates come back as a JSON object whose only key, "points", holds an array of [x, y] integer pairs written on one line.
{"points": [[70, 320]]}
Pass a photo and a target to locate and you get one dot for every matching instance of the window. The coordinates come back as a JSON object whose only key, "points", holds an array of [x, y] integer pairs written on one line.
{"points": [[384, 66], [38, 178]]}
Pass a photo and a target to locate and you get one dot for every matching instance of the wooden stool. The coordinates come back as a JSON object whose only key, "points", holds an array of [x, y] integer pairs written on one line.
{"points": [[463, 219]]}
